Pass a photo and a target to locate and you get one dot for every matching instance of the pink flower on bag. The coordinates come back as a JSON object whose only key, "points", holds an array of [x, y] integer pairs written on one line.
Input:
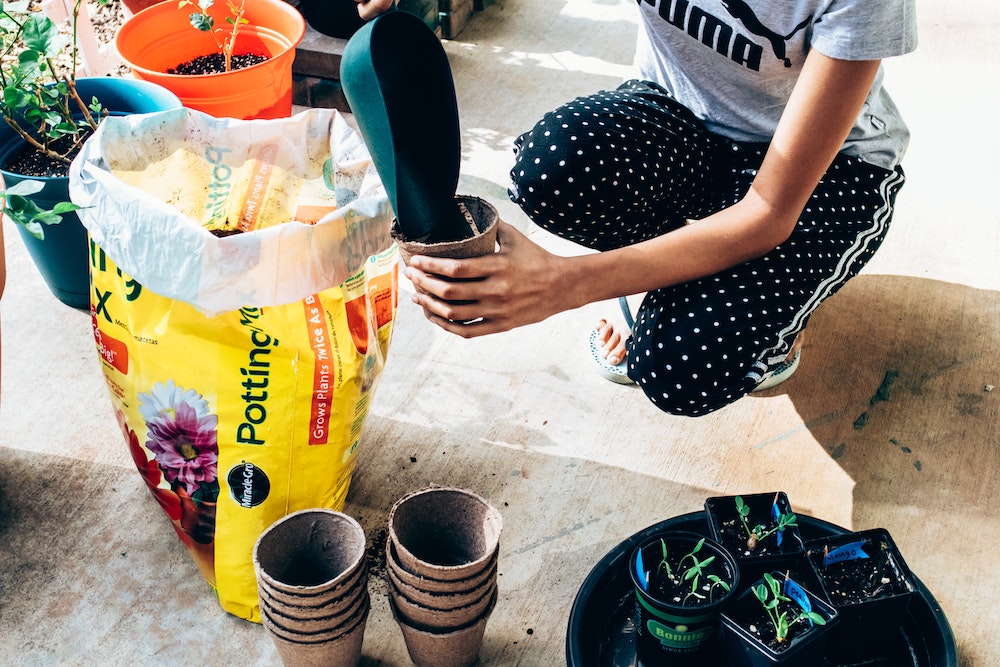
{"points": [[150, 472], [182, 438]]}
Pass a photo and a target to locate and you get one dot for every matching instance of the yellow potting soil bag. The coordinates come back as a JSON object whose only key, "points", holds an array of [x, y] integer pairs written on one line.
{"points": [[244, 289]]}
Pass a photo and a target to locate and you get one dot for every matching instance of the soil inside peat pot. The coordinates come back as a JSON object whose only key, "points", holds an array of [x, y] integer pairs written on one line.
{"points": [[215, 63]]}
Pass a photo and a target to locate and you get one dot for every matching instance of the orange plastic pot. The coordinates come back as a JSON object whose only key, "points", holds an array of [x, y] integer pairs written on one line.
{"points": [[160, 38]]}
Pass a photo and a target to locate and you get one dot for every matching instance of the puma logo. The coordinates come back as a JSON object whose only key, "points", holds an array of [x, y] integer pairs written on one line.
{"points": [[740, 10], [718, 34]]}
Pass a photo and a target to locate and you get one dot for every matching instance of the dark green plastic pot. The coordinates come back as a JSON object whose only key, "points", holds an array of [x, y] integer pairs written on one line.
{"points": [[668, 628]]}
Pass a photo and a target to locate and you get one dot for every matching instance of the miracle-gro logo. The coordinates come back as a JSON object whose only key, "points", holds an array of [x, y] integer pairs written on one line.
{"points": [[248, 484]]}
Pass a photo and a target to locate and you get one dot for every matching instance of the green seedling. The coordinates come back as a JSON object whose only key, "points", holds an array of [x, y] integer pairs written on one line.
{"points": [[770, 596], [224, 39], [760, 532], [693, 572]]}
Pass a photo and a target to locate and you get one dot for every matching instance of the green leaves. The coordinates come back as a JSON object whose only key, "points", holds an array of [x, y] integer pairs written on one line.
{"points": [[23, 211], [40, 34], [39, 101], [760, 532], [202, 22], [770, 596], [742, 508], [663, 560]]}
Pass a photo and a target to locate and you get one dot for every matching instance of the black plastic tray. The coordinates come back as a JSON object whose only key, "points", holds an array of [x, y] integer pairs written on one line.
{"points": [[601, 633]]}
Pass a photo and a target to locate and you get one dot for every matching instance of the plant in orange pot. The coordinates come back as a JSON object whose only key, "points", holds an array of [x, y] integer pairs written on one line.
{"points": [[174, 47]]}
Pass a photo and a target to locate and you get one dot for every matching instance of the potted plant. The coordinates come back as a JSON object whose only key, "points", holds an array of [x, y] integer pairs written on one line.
{"points": [[864, 576], [760, 530], [681, 582], [48, 113], [777, 622], [185, 47]]}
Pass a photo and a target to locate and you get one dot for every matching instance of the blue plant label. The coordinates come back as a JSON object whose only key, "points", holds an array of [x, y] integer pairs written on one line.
{"points": [[640, 571], [795, 592], [776, 515], [851, 551]]}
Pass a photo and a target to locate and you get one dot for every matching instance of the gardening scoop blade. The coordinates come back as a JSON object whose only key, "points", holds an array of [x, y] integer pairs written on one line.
{"points": [[398, 82]]}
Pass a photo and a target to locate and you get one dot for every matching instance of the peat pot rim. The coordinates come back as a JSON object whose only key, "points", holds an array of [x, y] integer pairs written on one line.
{"points": [[460, 519], [340, 539]]}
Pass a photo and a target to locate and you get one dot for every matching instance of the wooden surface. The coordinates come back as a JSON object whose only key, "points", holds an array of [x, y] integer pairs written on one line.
{"points": [[890, 421]]}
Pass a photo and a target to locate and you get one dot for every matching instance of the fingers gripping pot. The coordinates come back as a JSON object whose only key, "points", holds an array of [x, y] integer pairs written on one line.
{"points": [[244, 295]]}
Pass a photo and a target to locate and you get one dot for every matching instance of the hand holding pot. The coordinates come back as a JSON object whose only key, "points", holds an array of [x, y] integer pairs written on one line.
{"points": [[521, 284]]}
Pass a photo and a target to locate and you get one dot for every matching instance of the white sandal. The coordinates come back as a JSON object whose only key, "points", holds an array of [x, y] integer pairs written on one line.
{"points": [[779, 373], [614, 372]]}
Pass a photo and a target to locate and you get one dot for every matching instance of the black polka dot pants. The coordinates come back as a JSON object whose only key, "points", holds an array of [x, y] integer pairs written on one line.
{"points": [[622, 166]]}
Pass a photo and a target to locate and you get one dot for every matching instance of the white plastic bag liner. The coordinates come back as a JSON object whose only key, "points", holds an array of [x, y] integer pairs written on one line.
{"points": [[153, 184]]}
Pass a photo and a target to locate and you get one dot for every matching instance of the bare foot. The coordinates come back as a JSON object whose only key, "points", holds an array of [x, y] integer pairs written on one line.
{"points": [[613, 342], [796, 345]]}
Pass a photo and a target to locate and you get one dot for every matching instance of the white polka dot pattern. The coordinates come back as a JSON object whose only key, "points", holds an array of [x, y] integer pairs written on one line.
{"points": [[622, 166]]}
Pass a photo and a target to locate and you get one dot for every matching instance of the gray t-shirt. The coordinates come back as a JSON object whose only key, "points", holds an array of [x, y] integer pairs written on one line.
{"points": [[734, 62]]}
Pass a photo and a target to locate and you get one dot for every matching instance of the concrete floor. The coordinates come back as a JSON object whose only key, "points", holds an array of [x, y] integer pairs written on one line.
{"points": [[91, 574]]}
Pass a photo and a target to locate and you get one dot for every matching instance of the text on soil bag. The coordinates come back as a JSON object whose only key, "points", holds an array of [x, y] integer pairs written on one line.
{"points": [[248, 484], [260, 175], [256, 376], [322, 395], [112, 350], [851, 551], [221, 184]]}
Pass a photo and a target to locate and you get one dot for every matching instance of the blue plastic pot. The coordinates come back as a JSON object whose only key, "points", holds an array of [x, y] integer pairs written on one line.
{"points": [[63, 256]]}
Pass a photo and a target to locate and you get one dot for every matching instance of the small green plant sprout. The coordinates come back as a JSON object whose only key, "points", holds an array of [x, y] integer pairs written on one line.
{"points": [[664, 565], [25, 212], [224, 39], [694, 571], [759, 532], [680, 574], [770, 596]]}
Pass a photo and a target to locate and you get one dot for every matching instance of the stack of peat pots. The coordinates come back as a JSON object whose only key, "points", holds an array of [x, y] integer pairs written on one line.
{"points": [[312, 581], [441, 562]]}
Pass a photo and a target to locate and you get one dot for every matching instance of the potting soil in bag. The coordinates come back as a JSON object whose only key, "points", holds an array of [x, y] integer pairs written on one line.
{"points": [[244, 288]]}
